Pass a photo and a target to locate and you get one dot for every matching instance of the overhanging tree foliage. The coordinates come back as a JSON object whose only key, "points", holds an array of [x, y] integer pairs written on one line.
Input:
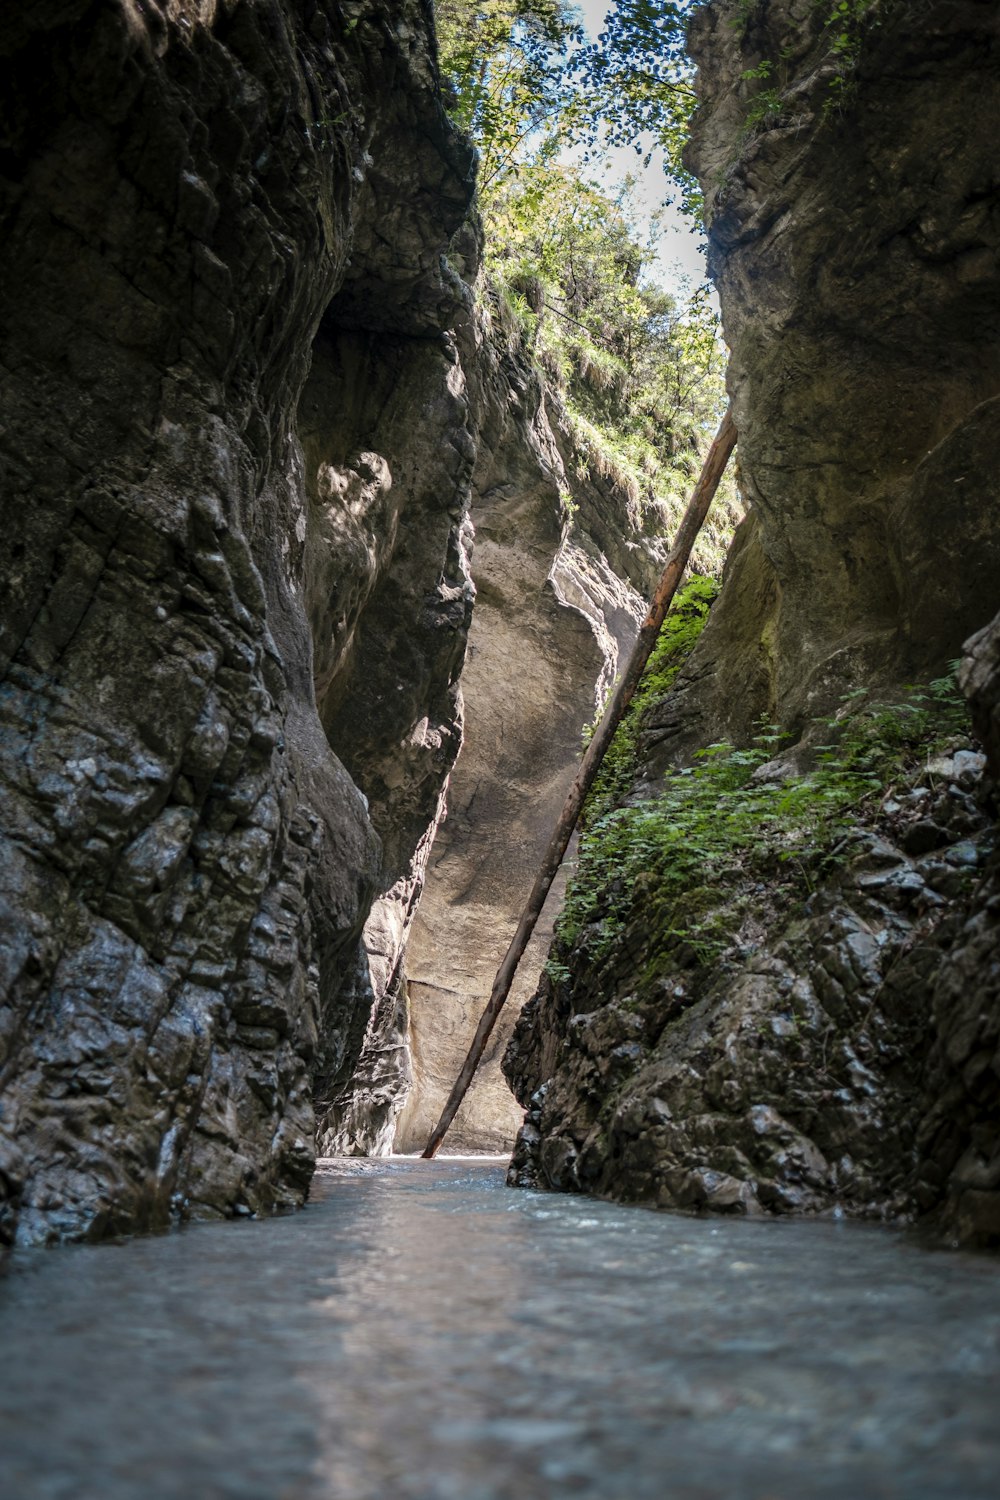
{"points": [[637, 78], [523, 72], [510, 65], [639, 373]]}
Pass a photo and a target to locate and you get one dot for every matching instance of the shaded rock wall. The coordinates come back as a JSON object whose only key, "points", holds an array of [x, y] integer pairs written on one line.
{"points": [[845, 1054], [389, 696], [191, 196], [959, 1135], [853, 240]]}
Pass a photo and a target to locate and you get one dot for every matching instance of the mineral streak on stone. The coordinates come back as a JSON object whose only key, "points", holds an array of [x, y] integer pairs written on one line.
{"points": [[191, 197], [848, 1054]]}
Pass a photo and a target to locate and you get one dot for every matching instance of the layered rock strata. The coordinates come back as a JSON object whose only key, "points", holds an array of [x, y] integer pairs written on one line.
{"points": [[200, 202], [845, 1054]]}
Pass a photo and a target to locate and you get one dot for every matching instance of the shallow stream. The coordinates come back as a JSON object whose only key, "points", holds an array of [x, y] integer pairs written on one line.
{"points": [[421, 1332]]}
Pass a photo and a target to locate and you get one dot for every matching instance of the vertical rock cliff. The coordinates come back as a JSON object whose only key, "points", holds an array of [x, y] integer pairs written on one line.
{"points": [[853, 241], [225, 304], [562, 565], [845, 1052]]}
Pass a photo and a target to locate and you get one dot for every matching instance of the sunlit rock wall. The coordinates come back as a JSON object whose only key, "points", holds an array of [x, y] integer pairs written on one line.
{"points": [[192, 197], [558, 590], [562, 565]]}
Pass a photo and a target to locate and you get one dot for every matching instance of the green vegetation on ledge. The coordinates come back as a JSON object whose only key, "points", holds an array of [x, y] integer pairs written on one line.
{"points": [[678, 634], [843, 28], [737, 823]]}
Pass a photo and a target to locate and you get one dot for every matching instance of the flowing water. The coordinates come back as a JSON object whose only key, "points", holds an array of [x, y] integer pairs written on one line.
{"points": [[421, 1332]]}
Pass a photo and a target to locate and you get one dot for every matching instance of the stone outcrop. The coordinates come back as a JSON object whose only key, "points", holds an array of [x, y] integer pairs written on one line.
{"points": [[959, 1141], [204, 204], [853, 240], [839, 1055], [845, 1054]]}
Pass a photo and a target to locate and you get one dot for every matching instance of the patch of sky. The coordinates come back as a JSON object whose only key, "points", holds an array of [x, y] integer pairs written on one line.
{"points": [[677, 259]]}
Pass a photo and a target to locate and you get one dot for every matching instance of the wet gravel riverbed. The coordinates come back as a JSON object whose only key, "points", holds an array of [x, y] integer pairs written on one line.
{"points": [[421, 1332]]}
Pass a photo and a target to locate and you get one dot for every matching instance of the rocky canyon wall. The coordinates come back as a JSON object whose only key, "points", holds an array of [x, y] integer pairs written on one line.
{"points": [[844, 1054], [248, 400], [227, 572], [853, 243], [562, 565]]}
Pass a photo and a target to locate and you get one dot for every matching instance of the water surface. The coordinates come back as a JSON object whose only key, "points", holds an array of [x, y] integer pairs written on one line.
{"points": [[421, 1332]]}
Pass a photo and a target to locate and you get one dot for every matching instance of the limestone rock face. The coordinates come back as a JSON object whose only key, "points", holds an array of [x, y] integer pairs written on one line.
{"points": [[847, 1059], [845, 1054], [559, 593], [193, 197]]}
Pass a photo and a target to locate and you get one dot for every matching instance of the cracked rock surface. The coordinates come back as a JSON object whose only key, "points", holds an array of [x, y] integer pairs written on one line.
{"points": [[192, 197]]}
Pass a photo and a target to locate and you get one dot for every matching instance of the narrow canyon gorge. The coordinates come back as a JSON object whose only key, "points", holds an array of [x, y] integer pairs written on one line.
{"points": [[310, 590], [346, 430]]}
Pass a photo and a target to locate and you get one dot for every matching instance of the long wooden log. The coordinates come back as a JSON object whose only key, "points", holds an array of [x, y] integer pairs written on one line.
{"points": [[694, 517]]}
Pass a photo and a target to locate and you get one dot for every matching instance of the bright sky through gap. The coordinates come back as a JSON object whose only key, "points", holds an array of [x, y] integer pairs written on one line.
{"points": [[679, 258]]}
